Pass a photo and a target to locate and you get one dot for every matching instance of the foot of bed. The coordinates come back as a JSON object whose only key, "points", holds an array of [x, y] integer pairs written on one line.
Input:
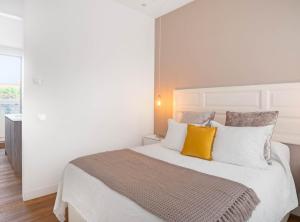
{"points": [[286, 218], [73, 215]]}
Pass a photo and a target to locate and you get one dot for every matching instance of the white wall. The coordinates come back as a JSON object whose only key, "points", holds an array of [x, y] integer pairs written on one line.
{"points": [[95, 59]]}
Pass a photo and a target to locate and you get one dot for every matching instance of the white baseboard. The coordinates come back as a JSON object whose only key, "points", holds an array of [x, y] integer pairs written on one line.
{"points": [[29, 195]]}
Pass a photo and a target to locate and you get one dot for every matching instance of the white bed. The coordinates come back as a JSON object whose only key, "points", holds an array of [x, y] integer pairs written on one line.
{"points": [[94, 201]]}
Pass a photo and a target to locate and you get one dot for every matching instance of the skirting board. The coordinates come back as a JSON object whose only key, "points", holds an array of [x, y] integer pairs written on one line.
{"points": [[39, 192]]}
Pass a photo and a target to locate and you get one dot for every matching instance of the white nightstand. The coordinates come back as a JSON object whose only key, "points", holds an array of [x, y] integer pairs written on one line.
{"points": [[151, 139]]}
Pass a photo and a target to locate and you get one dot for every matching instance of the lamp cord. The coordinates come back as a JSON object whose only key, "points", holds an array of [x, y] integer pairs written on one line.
{"points": [[159, 54]]}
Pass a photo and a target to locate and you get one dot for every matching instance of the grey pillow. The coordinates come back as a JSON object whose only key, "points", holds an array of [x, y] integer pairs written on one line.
{"points": [[191, 117], [254, 119]]}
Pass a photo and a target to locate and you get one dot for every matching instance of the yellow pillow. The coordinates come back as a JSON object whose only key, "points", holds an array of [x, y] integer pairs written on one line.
{"points": [[199, 142]]}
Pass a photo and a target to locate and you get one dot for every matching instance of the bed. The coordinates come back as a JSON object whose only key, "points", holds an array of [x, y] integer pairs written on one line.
{"points": [[94, 201], [88, 199]]}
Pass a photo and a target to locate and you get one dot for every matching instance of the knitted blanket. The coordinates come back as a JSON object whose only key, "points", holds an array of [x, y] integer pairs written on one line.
{"points": [[171, 192]]}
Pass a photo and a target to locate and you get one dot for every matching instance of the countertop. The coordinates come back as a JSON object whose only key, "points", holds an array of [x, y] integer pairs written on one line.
{"points": [[14, 117]]}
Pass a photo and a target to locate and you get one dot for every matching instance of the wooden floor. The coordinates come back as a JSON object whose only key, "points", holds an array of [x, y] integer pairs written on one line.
{"points": [[294, 219], [2, 145], [13, 209]]}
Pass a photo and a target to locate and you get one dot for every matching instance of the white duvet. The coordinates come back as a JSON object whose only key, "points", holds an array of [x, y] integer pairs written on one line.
{"points": [[97, 203]]}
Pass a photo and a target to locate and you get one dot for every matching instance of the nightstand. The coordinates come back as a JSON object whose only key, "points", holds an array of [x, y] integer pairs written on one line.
{"points": [[151, 139]]}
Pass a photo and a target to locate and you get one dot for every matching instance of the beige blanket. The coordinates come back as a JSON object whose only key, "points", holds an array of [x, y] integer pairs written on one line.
{"points": [[171, 192]]}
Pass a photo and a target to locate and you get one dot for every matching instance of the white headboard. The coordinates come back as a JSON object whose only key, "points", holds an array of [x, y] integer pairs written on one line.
{"points": [[282, 97]]}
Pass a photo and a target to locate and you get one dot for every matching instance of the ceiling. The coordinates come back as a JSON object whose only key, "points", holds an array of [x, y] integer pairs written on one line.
{"points": [[154, 8], [12, 7]]}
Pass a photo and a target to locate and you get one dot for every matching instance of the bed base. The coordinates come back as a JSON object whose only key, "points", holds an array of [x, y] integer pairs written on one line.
{"points": [[286, 218], [74, 216]]}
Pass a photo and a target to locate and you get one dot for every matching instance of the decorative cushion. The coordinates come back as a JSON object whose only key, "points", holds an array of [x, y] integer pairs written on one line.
{"points": [[175, 135], [191, 117], [199, 142], [257, 119], [251, 118], [242, 146]]}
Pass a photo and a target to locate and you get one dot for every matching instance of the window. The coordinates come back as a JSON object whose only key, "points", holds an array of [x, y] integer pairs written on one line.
{"points": [[10, 88]]}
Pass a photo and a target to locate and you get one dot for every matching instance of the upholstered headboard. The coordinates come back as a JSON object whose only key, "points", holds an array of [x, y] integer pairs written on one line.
{"points": [[282, 97]]}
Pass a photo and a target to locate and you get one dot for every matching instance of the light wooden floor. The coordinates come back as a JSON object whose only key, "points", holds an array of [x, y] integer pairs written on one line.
{"points": [[13, 209]]}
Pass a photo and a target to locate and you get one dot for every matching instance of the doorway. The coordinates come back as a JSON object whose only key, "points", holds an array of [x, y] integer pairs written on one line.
{"points": [[10, 88]]}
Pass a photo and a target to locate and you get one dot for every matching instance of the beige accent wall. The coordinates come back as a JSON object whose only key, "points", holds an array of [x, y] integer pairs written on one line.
{"points": [[210, 43]]}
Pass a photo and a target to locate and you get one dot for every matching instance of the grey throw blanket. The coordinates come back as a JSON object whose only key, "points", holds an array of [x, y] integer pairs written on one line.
{"points": [[171, 192]]}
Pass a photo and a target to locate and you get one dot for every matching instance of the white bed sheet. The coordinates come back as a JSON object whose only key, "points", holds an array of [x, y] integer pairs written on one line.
{"points": [[97, 203]]}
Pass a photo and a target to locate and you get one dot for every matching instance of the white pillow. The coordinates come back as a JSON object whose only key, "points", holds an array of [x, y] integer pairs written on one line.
{"points": [[175, 136], [242, 146]]}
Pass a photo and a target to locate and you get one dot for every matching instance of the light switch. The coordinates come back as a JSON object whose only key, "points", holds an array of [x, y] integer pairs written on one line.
{"points": [[37, 81]]}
